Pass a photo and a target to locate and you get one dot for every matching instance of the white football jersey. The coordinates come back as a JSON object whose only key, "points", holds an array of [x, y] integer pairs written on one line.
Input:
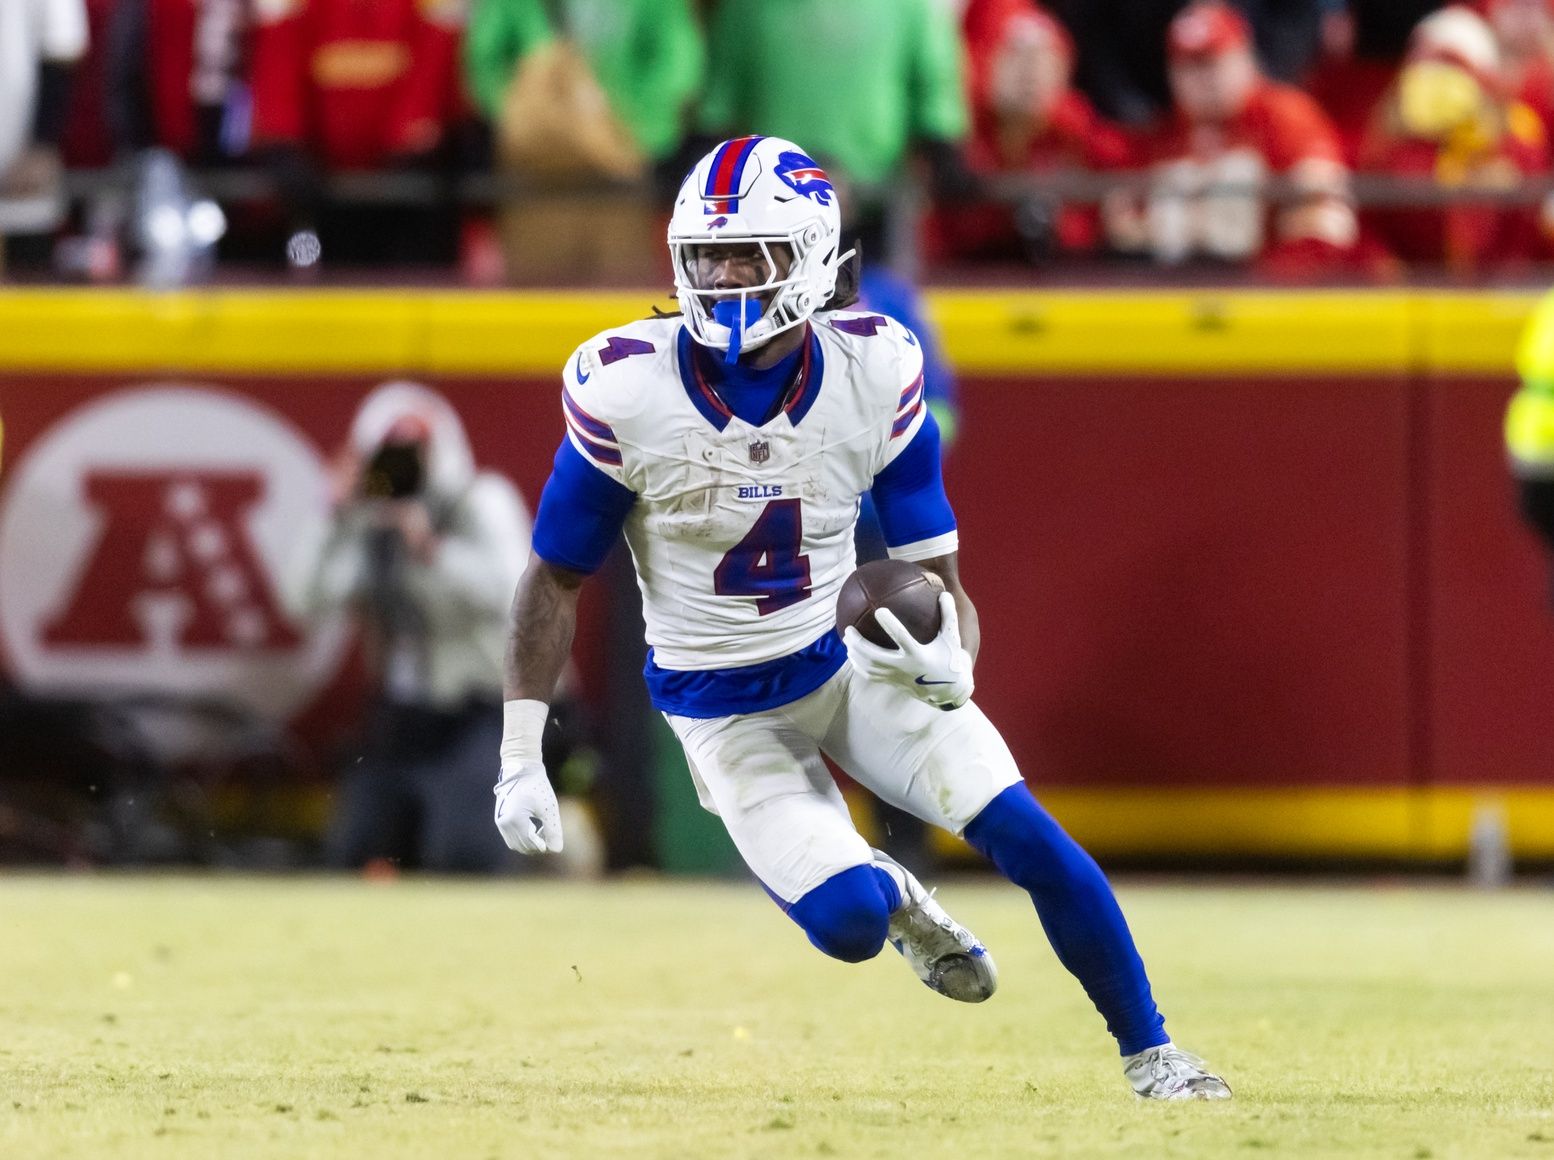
{"points": [[743, 535]]}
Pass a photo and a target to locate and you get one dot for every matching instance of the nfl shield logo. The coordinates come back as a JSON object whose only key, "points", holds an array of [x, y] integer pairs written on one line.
{"points": [[760, 451]]}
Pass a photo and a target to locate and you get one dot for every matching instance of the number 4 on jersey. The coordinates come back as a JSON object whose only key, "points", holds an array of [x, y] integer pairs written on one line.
{"points": [[767, 563]]}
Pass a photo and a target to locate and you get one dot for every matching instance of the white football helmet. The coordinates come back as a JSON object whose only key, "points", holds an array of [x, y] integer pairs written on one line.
{"points": [[765, 191]]}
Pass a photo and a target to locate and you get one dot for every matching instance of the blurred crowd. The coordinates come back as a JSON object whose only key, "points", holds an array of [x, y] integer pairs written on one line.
{"points": [[538, 140]]}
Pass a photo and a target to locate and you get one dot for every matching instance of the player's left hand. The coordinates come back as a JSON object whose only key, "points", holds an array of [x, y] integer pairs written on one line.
{"points": [[938, 672]]}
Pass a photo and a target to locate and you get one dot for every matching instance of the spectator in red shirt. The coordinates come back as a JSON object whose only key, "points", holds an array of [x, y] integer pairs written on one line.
{"points": [[357, 85], [1026, 118], [1123, 71], [1232, 134], [1450, 117]]}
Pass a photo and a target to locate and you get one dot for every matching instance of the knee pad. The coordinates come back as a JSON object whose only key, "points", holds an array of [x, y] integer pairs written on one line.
{"points": [[847, 916]]}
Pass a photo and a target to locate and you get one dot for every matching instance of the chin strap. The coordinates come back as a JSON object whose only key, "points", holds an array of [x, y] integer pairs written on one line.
{"points": [[738, 314]]}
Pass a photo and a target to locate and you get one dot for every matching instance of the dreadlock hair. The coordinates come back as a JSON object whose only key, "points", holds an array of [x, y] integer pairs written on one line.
{"points": [[849, 276]]}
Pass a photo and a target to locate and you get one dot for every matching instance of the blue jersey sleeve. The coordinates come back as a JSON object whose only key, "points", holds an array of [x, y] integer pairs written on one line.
{"points": [[909, 494], [581, 513]]}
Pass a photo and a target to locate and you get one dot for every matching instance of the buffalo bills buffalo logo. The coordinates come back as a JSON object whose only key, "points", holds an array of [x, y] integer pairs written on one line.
{"points": [[804, 177]]}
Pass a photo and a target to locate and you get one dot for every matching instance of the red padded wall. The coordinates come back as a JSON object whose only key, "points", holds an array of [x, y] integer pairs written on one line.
{"points": [[1490, 632], [1259, 581], [1193, 582]]}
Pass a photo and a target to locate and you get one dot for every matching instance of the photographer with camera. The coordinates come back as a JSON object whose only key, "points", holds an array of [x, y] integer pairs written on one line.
{"points": [[424, 551]]}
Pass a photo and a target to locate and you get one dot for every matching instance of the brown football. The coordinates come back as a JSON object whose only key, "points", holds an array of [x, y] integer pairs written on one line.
{"points": [[899, 585]]}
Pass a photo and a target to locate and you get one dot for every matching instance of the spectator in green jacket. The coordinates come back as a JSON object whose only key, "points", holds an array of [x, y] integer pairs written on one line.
{"points": [[647, 55], [861, 83]]}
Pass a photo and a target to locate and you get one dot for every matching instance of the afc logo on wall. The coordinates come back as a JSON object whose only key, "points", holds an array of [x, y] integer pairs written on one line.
{"points": [[144, 542]]}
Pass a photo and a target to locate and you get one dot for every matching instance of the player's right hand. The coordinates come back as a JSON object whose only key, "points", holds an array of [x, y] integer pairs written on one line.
{"points": [[938, 672], [526, 811]]}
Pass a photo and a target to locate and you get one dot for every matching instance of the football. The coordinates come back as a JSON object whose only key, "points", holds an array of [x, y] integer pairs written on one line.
{"points": [[911, 592]]}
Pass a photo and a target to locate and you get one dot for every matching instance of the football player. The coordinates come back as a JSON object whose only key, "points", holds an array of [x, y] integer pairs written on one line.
{"points": [[731, 443]]}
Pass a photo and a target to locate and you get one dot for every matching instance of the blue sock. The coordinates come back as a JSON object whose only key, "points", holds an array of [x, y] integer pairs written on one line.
{"points": [[848, 915], [1078, 911]]}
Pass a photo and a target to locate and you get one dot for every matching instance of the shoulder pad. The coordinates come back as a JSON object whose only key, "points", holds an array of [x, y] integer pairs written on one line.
{"points": [[613, 374], [860, 324], [887, 352], [871, 331]]}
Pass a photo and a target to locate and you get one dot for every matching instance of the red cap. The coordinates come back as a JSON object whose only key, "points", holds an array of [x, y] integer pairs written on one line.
{"points": [[1208, 28], [1457, 35], [409, 428]]}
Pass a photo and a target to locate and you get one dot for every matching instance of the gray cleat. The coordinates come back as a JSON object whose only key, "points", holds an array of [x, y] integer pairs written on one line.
{"points": [[947, 957], [1169, 1073]]}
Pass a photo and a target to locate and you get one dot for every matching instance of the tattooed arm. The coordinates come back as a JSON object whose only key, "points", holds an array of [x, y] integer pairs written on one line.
{"points": [[544, 619], [540, 639]]}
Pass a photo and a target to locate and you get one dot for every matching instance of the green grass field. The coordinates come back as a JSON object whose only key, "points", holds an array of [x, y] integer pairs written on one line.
{"points": [[211, 1017]]}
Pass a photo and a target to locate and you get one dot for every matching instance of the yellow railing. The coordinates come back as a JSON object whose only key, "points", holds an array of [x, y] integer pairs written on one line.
{"points": [[447, 332]]}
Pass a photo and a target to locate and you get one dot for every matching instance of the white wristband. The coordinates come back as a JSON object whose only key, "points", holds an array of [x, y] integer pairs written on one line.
{"points": [[523, 724]]}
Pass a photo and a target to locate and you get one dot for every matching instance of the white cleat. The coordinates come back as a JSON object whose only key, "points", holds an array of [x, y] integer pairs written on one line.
{"points": [[1169, 1073], [947, 957]]}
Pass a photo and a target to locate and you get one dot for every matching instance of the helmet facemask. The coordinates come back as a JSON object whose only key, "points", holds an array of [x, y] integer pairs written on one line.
{"points": [[732, 319]]}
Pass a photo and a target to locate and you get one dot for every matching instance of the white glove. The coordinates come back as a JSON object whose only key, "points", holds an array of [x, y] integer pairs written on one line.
{"points": [[526, 812], [938, 672]]}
